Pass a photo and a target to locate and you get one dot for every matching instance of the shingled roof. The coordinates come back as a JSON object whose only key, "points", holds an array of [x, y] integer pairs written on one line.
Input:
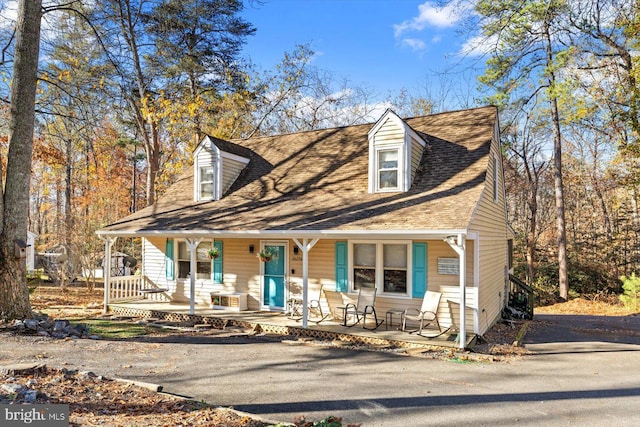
{"points": [[317, 181]]}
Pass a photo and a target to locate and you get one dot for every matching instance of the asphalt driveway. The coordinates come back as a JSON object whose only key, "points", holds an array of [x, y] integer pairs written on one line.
{"points": [[585, 372]]}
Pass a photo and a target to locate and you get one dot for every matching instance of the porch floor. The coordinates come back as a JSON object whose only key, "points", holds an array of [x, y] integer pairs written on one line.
{"points": [[279, 323]]}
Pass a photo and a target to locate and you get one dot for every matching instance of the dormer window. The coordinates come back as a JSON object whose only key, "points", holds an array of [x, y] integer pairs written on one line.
{"points": [[206, 182], [388, 169], [214, 169], [395, 152]]}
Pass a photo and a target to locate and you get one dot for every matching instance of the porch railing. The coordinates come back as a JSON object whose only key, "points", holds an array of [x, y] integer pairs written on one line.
{"points": [[521, 298], [129, 288]]}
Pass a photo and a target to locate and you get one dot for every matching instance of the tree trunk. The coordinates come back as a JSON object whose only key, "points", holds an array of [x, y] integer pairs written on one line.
{"points": [[531, 234], [14, 293], [153, 164], [197, 122], [563, 279], [68, 216], [146, 126]]}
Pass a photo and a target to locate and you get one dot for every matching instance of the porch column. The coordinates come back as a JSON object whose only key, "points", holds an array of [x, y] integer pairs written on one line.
{"points": [[305, 247], [460, 247], [108, 243], [193, 245]]}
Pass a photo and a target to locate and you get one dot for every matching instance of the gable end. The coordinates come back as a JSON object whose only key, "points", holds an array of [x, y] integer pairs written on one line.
{"points": [[395, 152], [214, 170]]}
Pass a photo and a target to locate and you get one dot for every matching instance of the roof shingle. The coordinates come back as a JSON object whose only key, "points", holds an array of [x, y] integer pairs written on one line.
{"points": [[317, 180]]}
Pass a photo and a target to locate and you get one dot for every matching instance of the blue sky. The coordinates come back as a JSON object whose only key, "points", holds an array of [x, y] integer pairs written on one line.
{"points": [[382, 44]]}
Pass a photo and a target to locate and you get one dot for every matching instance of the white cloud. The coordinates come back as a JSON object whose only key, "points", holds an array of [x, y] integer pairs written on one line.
{"points": [[9, 16], [479, 45], [414, 44], [9, 13], [431, 15]]}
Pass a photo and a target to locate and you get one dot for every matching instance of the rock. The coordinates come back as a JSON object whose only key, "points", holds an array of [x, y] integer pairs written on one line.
{"points": [[31, 324], [21, 368], [46, 323], [61, 326], [79, 330], [86, 374], [44, 326], [13, 388], [30, 396]]}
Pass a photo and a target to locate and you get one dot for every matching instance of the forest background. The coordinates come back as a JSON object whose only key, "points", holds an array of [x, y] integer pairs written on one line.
{"points": [[127, 88]]}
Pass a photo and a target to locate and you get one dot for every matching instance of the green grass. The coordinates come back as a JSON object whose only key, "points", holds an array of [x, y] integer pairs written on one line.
{"points": [[110, 329]]}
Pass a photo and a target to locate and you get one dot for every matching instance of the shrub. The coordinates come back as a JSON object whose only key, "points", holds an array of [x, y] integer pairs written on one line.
{"points": [[631, 296]]}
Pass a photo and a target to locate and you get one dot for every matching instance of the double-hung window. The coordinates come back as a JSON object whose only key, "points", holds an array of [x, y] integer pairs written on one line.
{"points": [[395, 260], [203, 263], [381, 265], [364, 265], [206, 182], [388, 169]]}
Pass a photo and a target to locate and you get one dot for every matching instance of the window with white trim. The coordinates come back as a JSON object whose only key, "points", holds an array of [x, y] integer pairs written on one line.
{"points": [[394, 265], [206, 182], [388, 169], [364, 265], [384, 266], [203, 262]]}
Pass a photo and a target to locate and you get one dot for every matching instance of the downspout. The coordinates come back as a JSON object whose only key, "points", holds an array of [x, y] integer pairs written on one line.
{"points": [[108, 243], [193, 245], [459, 247], [305, 247]]}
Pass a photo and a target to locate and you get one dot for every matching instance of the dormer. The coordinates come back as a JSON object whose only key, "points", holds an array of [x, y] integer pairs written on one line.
{"points": [[395, 151], [214, 168]]}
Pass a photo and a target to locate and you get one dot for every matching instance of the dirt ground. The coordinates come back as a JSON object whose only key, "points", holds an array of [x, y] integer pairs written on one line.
{"points": [[593, 307], [95, 400]]}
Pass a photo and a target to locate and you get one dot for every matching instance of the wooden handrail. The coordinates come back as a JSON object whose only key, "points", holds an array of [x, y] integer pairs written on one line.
{"points": [[521, 298]]}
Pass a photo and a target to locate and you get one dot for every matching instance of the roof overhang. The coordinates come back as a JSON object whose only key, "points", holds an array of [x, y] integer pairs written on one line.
{"points": [[289, 234]]}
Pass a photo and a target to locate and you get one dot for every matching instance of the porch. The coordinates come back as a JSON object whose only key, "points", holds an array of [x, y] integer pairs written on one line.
{"points": [[135, 296]]}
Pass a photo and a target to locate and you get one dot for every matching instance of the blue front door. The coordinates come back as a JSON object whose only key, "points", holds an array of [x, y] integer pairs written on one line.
{"points": [[274, 277]]}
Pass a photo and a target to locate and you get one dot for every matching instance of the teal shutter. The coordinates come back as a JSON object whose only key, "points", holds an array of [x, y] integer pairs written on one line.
{"points": [[419, 273], [341, 267], [168, 253], [217, 264]]}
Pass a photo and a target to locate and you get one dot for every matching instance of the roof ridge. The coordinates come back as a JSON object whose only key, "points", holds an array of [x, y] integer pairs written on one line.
{"points": [[373, 123]]}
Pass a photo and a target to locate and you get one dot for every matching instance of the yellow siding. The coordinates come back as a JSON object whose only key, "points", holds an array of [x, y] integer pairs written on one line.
{"points": [[241, 269], [230, 171], [205, 157], [489, 220], [153, 263], [440, 249], [450, 307], [416, 156], [389, 133], [241, 273]]}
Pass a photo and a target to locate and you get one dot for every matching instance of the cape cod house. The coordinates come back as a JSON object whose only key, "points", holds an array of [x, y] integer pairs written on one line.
{"points": [[402, 205]]}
